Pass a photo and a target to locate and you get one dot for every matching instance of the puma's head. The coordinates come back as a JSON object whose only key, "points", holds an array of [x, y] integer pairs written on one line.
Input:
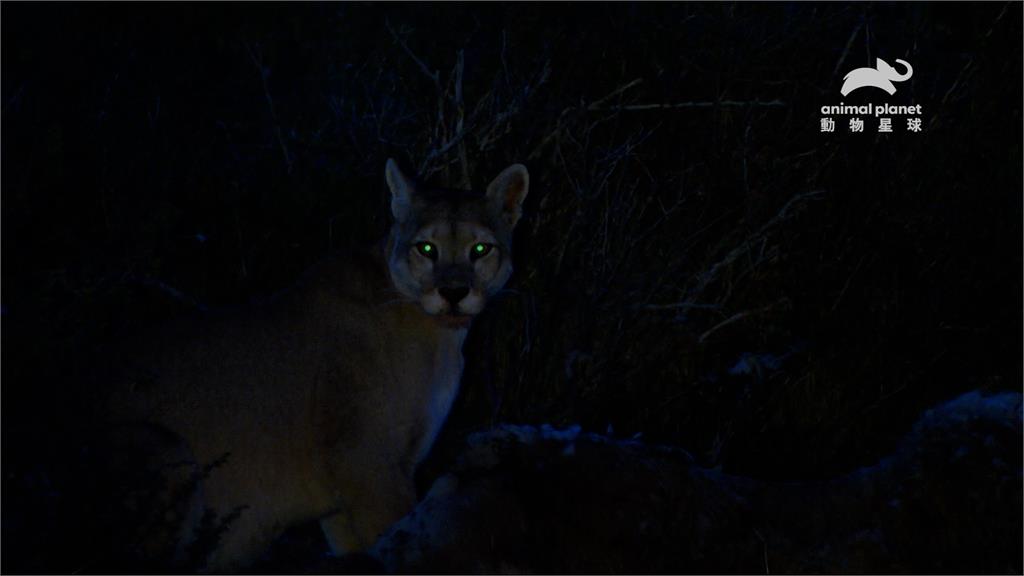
{"points": [[450, 250]]}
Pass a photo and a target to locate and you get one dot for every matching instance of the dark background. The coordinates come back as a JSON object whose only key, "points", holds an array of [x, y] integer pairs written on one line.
{"points": [[714, 274]]}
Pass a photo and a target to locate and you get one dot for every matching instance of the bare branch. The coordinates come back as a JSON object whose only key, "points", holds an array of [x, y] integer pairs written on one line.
{"points": [[564, 119], [846, 50], [435, 76], [257, 60], [702, 104], [460, 111]]}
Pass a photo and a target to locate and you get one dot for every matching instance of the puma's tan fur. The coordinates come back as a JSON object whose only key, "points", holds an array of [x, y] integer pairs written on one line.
{"points": [[327, 398]]}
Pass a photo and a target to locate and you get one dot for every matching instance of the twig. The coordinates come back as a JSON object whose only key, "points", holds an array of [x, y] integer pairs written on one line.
{"points": [[966, 70], [576, 112], [708, 276], [731, 319], [614, 93], [165, 288], [678, 305], [460, 110], [495, 132], [847, 284], [442, 151], [846, 50], [435, 76], [737, 317], [703, 104], [764, 550], [257, 60]]}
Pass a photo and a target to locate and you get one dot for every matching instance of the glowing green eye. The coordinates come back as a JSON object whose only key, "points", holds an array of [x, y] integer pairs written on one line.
{"points": [[427, 249], [480, 249]]}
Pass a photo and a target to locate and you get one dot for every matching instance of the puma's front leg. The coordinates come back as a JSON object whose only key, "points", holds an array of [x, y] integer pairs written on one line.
{"points": [[366, 514], [340, 533]]}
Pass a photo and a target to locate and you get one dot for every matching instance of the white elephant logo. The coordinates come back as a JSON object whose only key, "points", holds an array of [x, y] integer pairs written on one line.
{"points": [[881, 76]]}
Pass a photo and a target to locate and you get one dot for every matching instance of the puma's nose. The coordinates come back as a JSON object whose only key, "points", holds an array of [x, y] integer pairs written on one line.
{"points": [[453, 295]]}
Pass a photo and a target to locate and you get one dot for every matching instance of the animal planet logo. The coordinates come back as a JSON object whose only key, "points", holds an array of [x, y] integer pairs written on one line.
{"points": [[881, 76]]}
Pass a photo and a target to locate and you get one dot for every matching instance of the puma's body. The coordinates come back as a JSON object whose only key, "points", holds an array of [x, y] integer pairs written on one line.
{"points": [[326, 398]]}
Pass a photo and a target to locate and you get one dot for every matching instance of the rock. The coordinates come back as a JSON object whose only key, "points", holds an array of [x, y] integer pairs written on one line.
{"points": [[529, 499]]}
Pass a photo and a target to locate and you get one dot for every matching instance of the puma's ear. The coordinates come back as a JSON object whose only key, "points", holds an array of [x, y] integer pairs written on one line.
{"points": [[402, 188], [508, 190]]}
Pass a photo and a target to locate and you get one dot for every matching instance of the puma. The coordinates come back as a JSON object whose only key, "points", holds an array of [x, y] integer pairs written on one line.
{"points": [[322, 402]]}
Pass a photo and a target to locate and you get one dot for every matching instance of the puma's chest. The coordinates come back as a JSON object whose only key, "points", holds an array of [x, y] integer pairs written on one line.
{"points": [[388, 385], [430, 390]]}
